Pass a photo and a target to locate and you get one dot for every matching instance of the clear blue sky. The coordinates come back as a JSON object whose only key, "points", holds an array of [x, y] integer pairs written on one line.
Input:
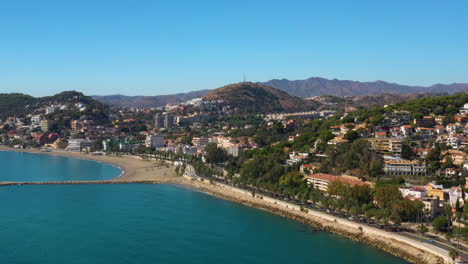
{"points": [[151, 47]]}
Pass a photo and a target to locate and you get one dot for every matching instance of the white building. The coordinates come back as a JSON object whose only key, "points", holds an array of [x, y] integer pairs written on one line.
{"points": [[234, 150], [51, 109], [452, 128], [295, 158], [413, 192], [404, 167], [406, 130], [453, 140], [75, 144], [456, 194], [464, 109], [200, 141], [432, 204], [36, 120], [189, 150], [155, 141]]}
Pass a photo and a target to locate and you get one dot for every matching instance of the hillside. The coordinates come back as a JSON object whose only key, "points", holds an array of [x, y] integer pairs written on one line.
{"points": [[252, 97], [21, 104], [320, 86], [15, 104], [149, 101], [385, 99]]}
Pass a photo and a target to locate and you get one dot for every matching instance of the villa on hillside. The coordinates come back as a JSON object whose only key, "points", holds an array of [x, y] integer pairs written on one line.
{"points": [[322, 180]]}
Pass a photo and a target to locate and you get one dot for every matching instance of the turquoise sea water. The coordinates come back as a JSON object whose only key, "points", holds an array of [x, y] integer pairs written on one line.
{"points": [[150, 223], [21, 167]]}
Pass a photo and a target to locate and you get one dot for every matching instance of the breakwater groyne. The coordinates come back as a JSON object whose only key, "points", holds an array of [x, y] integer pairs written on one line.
{"points": [[162, 181]]}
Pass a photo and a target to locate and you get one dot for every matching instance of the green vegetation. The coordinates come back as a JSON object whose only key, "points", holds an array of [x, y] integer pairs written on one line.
{"points": [[355, 156], [440, 224], [15, 104], [215, 155]]}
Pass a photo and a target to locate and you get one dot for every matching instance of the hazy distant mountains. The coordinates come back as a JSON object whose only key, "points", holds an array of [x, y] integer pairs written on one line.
{"points": [[320, 86], [149, 101], [302, 88]]}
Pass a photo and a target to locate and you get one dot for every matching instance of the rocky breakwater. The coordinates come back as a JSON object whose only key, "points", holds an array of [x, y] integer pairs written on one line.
{"points": [[410, 250]]}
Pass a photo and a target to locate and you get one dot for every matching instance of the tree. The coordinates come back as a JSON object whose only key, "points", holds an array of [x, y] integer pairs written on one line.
{"points": [[408, 209], [387, 196], [453, 253], [314, 195], [423, 229], [187, 140], [395, 218], [214, 154], [407, 152], [375, 168], [440, 224], [292, 182], [383, 215], [448, 236], [355, 211], [351, 135], [336, 188]]}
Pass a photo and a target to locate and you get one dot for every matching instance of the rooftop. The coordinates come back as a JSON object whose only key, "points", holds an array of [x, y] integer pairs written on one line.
{"points": [[331, 178]]}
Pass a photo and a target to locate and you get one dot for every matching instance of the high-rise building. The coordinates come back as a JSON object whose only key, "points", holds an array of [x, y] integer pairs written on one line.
{"points": [[158, 121], [163, 121], [168, 121]]}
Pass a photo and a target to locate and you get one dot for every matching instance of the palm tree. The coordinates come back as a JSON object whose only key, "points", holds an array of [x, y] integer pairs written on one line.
{"points": [[448, 236], [426, 213], [453, 254], [423, 229]]}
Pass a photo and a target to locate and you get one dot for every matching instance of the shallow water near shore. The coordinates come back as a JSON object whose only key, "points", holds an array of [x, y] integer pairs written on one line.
{"points": [[152, 223], [30, 167]]}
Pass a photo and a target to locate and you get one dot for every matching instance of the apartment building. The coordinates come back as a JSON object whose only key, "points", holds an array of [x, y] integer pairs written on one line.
{"points": [[404, 167]]}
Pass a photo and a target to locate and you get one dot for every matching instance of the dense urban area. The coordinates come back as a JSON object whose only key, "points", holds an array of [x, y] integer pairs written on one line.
{"points": [[399, 166]]}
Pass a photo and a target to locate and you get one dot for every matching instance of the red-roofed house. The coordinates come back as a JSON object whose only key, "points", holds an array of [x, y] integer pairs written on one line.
{"points": [[406, 130], [381, 134], [461, 119], [322, 180], [41, 139]]}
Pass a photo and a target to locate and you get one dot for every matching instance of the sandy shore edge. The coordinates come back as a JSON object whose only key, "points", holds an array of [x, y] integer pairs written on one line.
{"points": [[137, 170]]}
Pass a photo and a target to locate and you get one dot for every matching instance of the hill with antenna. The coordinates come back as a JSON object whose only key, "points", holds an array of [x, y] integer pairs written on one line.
{"points": [[257, 98]]}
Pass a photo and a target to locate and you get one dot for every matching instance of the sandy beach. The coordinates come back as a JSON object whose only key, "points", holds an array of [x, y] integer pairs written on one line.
{"points": [[137, 170]]}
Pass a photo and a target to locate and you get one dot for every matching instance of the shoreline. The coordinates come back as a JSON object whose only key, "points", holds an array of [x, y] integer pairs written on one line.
{"points": [[136, 170]]}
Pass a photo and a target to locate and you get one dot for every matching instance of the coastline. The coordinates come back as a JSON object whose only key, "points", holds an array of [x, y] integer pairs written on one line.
{"points": [[137, 170]]}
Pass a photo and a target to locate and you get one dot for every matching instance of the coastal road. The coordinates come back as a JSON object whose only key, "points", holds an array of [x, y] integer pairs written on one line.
{"points": [[441, 244]]}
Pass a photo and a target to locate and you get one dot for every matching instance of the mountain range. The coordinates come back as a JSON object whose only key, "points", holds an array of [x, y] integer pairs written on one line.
{"points": [[314, 86], [149, 101], [319, 86]]}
